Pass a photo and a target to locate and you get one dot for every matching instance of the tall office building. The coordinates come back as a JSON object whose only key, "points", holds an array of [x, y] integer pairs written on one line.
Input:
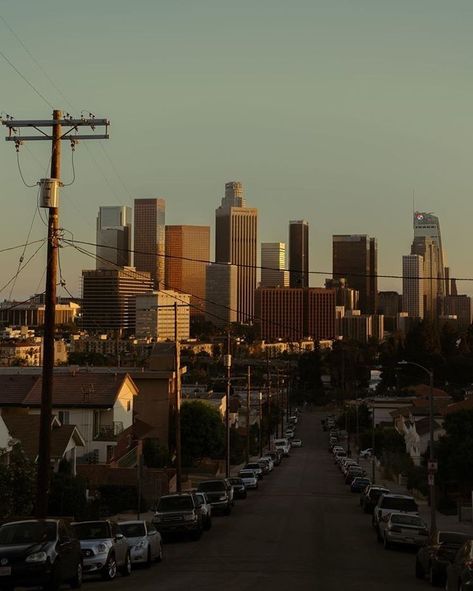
{"points": [[108, 298], [113, 237], [221, 294], [355, 258], [187, 255], [158, 313], [236, 229], [413, 285], [149, 238], [273, 265], [459, 306], [428, 244], [299, 253], [295, 313]]}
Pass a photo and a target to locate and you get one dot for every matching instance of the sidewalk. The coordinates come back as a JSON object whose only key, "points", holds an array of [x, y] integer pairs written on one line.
{"points": [[444, 522]]}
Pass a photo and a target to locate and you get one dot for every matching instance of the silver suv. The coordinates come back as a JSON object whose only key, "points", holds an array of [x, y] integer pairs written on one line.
{"points": [[392, 503], [104, 548]]}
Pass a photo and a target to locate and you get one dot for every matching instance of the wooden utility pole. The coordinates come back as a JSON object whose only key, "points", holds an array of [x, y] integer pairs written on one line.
{"points": [[228, 365], [57, 124], [248, 413], [178, 404]]}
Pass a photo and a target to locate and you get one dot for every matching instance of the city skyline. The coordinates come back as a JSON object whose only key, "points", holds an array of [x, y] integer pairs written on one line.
{"points": [[348, 166]]}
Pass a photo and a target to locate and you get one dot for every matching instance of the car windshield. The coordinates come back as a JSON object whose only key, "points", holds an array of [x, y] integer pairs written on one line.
{"points": [[399, 504], [212, 485], [450, 538], [375, 493], [96, 530], [247, 474], [361, 481], [183, 503], [133, 530], [29, 532], [254, 466], [407, 520]]}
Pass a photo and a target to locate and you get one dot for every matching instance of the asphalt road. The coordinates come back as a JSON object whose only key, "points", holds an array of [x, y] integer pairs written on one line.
{"points": [[301, 531]]}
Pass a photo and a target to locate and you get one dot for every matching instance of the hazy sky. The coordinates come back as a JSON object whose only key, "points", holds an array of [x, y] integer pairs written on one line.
{"points": [[330, 110]]}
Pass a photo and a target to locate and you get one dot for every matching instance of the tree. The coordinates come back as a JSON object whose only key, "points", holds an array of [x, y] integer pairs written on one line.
{"points": [[455, 450], [202, 432], [68, 493], [17, 484], [154, 454]]}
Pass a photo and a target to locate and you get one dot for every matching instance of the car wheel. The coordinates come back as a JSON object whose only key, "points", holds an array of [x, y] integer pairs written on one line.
{"points": [[126, 568], [420, 572], [434, 577], [227, 510], [109, 571], [76, 582], [55, 580]]}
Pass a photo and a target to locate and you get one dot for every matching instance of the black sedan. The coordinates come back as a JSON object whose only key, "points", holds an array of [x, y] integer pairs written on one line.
{"points": [[432, 560], [39, 552]]}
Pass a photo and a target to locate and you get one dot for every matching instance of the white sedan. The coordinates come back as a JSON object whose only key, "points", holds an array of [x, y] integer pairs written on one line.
{"points": [[144, 541], [250, 479], [296, 443]]}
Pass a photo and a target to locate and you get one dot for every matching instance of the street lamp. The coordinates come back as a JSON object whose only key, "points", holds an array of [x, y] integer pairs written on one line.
{"points": [[432, 463]]}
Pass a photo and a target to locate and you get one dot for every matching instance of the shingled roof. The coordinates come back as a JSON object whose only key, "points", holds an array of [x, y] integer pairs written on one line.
{"points": [[92, 390]]}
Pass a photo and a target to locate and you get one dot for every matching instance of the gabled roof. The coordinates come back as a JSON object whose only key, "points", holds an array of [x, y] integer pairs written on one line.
{"points": [[457, 406], [423, 426], [423, 391], [15, 388], [25, 428]]}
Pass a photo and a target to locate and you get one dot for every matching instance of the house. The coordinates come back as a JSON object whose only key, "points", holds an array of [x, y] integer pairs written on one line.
{"points": [[99, 404], [66, 441]]}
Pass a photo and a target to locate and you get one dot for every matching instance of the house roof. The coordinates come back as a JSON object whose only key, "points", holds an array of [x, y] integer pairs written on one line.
{"points": [[15, 388], [423, 426], [25, 428], [423, 391], [93, 390], [457, 406]]}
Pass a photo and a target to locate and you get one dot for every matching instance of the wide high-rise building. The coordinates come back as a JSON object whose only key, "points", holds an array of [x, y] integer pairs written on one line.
{"points": [[187, 255], [236, 233], [413, 285], [273, 265], [113, 237], [149, 238], [459, 306], [428, 244], [159, 313], [355, 257], [108, 298], [299, 253], [221, 294], [295, 313]]}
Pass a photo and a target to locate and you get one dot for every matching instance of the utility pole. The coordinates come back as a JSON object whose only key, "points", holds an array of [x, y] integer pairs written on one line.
{"points": [[268, 392], [177, 363], [50, 200], [248, 413], [228, 365], [260, 398]]}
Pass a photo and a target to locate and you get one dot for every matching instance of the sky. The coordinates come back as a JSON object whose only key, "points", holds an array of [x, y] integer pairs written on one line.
{"points": [[334, 111]]}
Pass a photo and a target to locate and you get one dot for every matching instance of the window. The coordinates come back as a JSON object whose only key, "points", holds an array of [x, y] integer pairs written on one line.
{"points": [[63, 416], [128, 405]]}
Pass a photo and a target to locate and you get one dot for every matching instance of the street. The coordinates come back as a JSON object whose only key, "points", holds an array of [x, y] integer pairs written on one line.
{"points": [[300, 531]]}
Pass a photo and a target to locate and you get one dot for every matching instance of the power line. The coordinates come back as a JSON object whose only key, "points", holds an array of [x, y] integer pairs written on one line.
{"points": [[248, 266], [41, 96], [20, 269], [20, 245]]}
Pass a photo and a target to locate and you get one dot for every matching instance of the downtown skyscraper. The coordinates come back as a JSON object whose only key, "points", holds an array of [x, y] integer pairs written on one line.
{"points": [[355, 258], [236, 233], [113, 237], [299, 253], [149, 238], [273, 265]]}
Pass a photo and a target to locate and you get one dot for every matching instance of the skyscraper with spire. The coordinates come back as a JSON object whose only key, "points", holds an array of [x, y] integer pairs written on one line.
{"points": [[236, 233]]}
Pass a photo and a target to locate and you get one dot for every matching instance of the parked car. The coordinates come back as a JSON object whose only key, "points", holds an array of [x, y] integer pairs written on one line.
{"points": [[104, 548], [282, 444], [205, 508], [294, 419], [369, 497], [257, 469], [404, 529], [389, 503], [219, 493], [460, 570], [366, 453], [359, 483], [239, 488], [352, 473], [433, 559], [250, 479], [269, 460], [297, 443], [178, 514], [144, 541], [289, 434], [276, 456], [39, 552]]}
